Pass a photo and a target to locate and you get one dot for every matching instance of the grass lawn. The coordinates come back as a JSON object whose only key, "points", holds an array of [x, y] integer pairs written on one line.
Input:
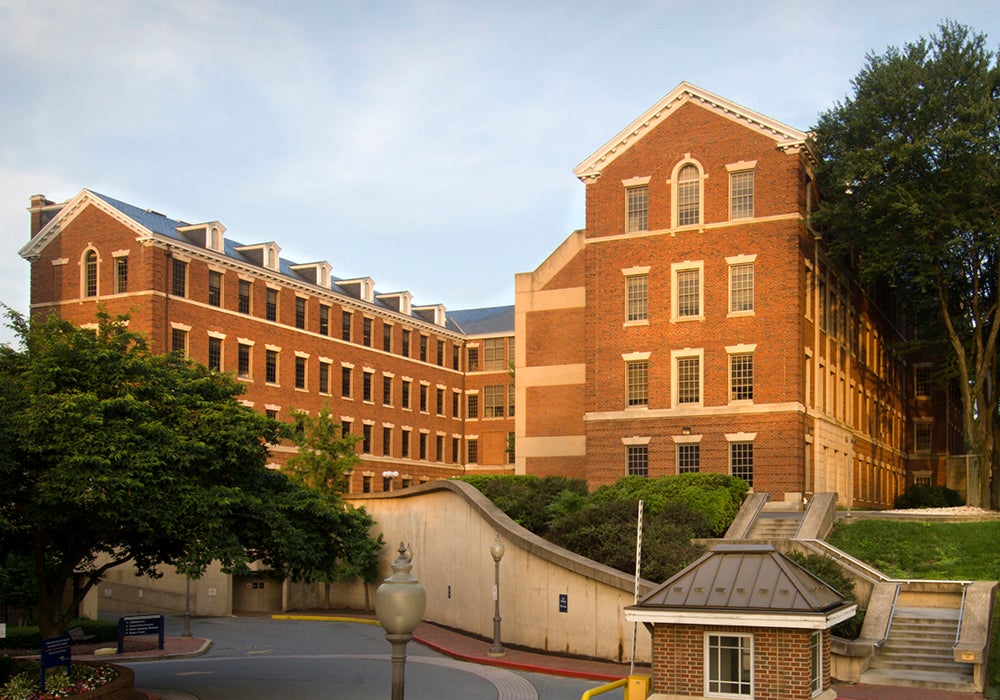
{"points": [[922, 550]]}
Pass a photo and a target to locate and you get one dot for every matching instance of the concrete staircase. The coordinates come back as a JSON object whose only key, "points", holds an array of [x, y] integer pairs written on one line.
{"points": [[919, 652], [770, 526]]}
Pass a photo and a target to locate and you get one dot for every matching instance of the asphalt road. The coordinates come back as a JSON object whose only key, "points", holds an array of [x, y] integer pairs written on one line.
{"points": [[262, 658]]}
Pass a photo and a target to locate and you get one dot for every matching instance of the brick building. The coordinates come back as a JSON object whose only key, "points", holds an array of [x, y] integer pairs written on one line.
{"points": [[698, 324], [427, 391]]}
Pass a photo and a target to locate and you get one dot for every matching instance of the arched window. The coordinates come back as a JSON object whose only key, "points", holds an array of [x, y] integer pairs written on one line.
{"points": [[90, 273], [688, 196]]}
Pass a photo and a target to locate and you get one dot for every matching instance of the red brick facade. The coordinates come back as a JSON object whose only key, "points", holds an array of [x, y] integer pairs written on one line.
{"points": [[781, 660], [817, 403], [420, 409]]}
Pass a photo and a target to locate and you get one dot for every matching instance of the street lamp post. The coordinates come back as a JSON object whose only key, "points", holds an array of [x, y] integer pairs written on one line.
{"points": [[187, 607], [496, 551], [399, 607]]}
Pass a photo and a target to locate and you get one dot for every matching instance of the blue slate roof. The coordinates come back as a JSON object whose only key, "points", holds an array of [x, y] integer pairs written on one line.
{"points": [[483, 321]]}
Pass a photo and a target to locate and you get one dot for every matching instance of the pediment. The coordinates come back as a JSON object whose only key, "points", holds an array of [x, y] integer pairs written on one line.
{"points": [[783, 135]]}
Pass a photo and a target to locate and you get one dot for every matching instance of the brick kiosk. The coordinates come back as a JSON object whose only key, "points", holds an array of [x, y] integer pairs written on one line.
{"points": [[742, 621]]}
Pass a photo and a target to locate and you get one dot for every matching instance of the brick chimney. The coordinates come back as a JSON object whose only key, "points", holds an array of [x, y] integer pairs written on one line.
{"points": [[42, 210]]}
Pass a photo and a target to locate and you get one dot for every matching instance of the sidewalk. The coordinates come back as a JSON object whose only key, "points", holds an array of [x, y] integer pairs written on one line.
{"points": [[473, 649]]}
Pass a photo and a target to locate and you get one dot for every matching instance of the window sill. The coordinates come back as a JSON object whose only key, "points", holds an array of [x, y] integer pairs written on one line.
{"points": [[629, 324], [741, 314], [685, 319]]}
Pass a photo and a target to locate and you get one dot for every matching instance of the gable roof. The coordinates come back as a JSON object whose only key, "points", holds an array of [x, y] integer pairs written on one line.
{"points": [[145, 222], [784, 136]]}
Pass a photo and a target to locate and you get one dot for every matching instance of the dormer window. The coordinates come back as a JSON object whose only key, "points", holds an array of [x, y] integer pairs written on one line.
{"points": [[264, 254], [397, 301], [362, 288], [208, 235], [317, 273]]}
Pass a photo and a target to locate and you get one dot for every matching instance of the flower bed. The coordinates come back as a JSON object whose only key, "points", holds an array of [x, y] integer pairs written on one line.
{"points": [[87, 680]]}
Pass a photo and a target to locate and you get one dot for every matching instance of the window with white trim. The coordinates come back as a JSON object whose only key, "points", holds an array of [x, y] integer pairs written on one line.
{"points": [[637, 460], [637, 298], [741, 460], [637, 383], [271, 366], [493, 396], [90, 273], [493, 354], [688, 195], [816, 662], [244, 295], [729, 665], [741, 279], [300, 372], [687, 300], [214, 288], [178, 278], [271, 304], [215, 353], [922, 381], [741, 376], [243, 361], [121, 274], [688, 457], [472, 406], [323, 377], [741, 194], [922, 436], [687, 377], [636, 208]]}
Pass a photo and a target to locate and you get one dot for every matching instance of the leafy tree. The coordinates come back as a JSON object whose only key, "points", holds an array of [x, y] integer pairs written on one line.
{"points": [[324, 454], [910, 176], [113, 455], [526, 498]]}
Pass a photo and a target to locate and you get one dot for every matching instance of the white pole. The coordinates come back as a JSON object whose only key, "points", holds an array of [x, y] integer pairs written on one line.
{"points": [[635, 595]]}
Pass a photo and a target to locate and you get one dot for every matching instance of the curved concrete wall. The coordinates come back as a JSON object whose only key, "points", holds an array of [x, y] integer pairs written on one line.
{"points": [[450, 526]]}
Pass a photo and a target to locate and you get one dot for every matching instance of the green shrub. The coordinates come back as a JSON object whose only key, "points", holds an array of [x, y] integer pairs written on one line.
{"points": [[929, 497], [31, 638], [830, 573], [525, 498], [606, 531], [717, 496]]}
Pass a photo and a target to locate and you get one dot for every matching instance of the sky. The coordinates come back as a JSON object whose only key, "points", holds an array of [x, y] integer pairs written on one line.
{"points": [[427, 144]]}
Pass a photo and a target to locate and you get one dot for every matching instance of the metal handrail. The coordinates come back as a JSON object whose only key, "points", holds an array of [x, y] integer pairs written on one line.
{"points": [[892, 616], [606, 688], [961, 614]]}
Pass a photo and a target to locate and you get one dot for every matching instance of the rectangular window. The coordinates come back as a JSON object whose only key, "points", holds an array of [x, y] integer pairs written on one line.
{"points": [[346, 428], [688, 293], [243, 361], [637, 460], [637, 383], [455, 355], [405, 351], [688, 195], [454, 450], [366, 438], [346, 382], [439, 445], [728, 666], [366, 484], [387, 441], [922, 382], [346, 318], [324, 319], [214, 288], [423, 445], [454, 404], [386, 391], [366, 332], [440, 353], [472, 451], [245, 293], [511, 443], [741, 194], [300, 313], [439, 404], [215, 353], [178, 341], [636, 208], [404, 445], [741, 288], [324, 378], [423, 348], [366, 386], [922, 437], [741, 461], [688, 379], [300, 372], [816, 662], [688, 458], [178, 286], [510, 401], [386, 337], [473, 363], [637, 298], [493, 355], [423, 398], [271, 305], [271, 367], [405, 397], [493, 401], [741, 377], [472, 405], [121, 275]]}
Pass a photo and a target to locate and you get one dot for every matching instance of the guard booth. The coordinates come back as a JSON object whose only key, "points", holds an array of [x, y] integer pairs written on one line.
{"points": [[743, 621]]}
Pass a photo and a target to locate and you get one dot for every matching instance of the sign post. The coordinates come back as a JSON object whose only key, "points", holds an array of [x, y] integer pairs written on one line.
{"points": [[139, 626], [55, 652]]}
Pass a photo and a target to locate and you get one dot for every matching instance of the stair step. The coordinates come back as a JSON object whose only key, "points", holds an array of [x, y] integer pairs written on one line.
{"points": [[920, 679], [942, 665]]}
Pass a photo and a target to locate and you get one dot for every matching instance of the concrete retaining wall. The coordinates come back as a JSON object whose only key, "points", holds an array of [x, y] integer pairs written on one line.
{"points": [[550, 599]]}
